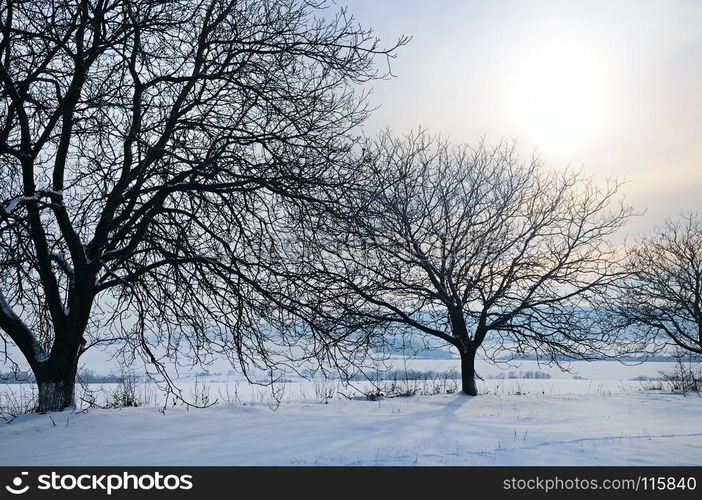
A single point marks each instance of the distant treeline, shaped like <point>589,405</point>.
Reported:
<point>408,375</point>
<point>529,374</point>
<point>85,377</point>
<point>629,359</point>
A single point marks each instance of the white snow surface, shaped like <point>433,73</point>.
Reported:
<point>516,422</point>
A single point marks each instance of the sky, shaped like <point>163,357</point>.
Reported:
<point>613,88</point>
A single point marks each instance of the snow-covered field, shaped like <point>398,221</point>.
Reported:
<point>604,419</point>
<point>610,426</point>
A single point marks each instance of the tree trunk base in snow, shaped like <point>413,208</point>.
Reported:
<point>469,387</point>
<point>468,374</point>
<point>56,395</point>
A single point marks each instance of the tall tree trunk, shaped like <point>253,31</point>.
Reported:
<point>57,393</point>
<point>56,381</point>
<point>468,372</point>
<point>467,348</point>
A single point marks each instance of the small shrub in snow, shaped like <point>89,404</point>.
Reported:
<point>324,389</point>
<point>230,396</point>
<point>686,375</point>
<point>200,394</point>
<point>416,384</point>
<point>122,393</point>
<point>20,399</point>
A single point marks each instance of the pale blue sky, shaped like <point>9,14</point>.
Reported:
<point>614,87</point>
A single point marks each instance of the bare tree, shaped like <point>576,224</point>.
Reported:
<point>663,297</point>
<point>152,152</point>
<point>475,248</point>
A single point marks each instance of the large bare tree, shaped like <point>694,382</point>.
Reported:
<point>475,248</point>
<point>152,152</point>
<point>663,297</point>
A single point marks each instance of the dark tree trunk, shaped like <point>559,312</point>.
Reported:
<point>467,348</point>
<point>468,373</point>
<point>56,394</point>
<point>56,381</point>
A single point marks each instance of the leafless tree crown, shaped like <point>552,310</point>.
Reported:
<point>663,297</point>
<point>468,243</point>
<point>149,152</point>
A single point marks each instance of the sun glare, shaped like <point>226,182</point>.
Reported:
<point>558,97</point>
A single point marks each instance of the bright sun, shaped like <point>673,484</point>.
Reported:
<point>558,96</point>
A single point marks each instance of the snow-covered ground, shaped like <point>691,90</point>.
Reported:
<point>610,420</point>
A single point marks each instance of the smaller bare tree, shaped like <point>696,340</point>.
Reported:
<point>476,248</point>
<point>663,298</point>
